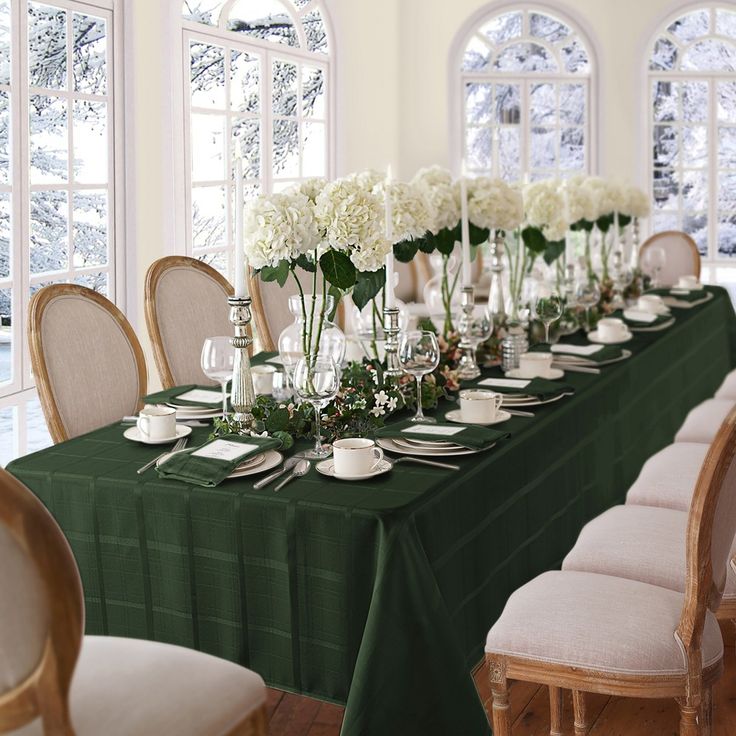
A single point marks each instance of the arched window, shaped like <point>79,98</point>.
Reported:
<point>526,96</point>
<point>692,102</point>
<point>258,87</point>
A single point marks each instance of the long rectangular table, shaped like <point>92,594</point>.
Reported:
<point>375,594</point>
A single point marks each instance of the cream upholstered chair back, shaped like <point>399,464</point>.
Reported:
<point>87,361</point>
<point>41,613</point>
<point>186,302</point>
<point>683,257</point>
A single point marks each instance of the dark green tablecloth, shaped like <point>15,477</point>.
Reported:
<point>378,594</point>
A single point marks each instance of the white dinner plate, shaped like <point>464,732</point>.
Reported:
<point>411,446</point>
<point>327,467</point>
<point>457,416</point>
<point>253,466</point>
<point>673,301</point>
<point>532,401</point>
<point>430,443</point>
<point>133,433</point>
<point>187,414</point>
<point>578,360</point>
<point>656,328</point>
<point>391,446</point>
<point>553,375</point>
<point>195,409</point>
<point>593,337</point>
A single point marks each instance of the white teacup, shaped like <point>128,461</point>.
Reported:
<point>535,364</point>
<point>157,422</point>
<point>611,328</point>
<point>263,378</point>
<point>688,282</point>
<point>356,456</point>
<point>479,406</point>
<point>651,303</point>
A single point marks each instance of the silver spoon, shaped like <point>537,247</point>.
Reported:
<point>301,468</point>
<point>290,464</point>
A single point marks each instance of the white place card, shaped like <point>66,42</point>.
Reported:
<point>434,429</point>
<point>577,349</point>
<point>200,396</point>
<point>504,382</point>
<point>639,315</point>
<point>224,450</point>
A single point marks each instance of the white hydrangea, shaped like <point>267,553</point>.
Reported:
<point>610,196</point>
<point>279,227</point>
<point>544,208</point>
<point>581,202</point>
<point>352,218</point>
<point>311,187</point>
<point>369,178</point>
<point>494,204</point>
<point>638,204</point>
<point>411,215</point>
<point>442,195</point>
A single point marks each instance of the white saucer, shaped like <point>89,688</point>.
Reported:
<point>593,337</point>
<point>187,414</point>
<point>553,375</point>
<point>253,466</point>
<point>457,416</point>
<point>327,467</point>
<point>133,433</point>
<point>388,444</point>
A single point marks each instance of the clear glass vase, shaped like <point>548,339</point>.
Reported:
<point>312,333</point>
<point>368,326</point>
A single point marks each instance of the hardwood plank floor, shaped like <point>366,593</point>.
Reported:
<point>293,715</point>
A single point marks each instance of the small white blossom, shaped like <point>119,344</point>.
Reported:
<point>392,403</point>
<point>378,411</point>
<point>381,397</point>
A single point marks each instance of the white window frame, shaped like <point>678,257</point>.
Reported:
<point>458,78</point>
<point>267,51</point>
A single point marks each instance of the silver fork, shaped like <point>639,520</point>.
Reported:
<point>180,445</point>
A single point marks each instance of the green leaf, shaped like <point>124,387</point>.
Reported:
<point>624,220</point>
<point>406,250</point>
<point>581,225</point>
<point>553,251</point>
<point>338,269</point>
<point>367,286</point>
<point>534,240</point>
<point>277,421</point>
<point>426,244</point>
<point>445,240</point>
<point>287,441</point>
<point>337,295</point>
<point>604,223</point>
<point>278,273</point>
<point>478,235</point>
<point>305,262</point>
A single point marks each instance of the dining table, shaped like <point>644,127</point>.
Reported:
<point>376,594</point>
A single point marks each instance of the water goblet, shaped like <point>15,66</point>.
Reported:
<point>218,358</point>
<point>654,261</point>
<point>547,309</point>
<point>587,295</point>
<point>317,380</point>
<point>419,354</point>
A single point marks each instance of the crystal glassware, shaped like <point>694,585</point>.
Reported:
<point>218,358</point>
<point>587,295</point>
<point>654,261</point>
<point>419,354</point>
<point>547,309</point>
<point>317,381</point>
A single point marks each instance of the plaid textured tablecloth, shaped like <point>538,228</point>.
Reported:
<point>376,594</point>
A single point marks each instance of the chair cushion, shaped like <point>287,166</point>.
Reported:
<point>128,686</point>
<point>668,478</point>
<point>598,622</point>
<point>704,421</point>
<point>638,543</point>
<point>728,387</point>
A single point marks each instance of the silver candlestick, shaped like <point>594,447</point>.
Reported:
<point>391,336</point>
<point>635,244</point>
<point>243,394</point>
<point>496,301</point>
<point>468,367</point>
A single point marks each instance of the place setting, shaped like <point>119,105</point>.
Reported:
<point>649,314</point>
<point>686,293</point>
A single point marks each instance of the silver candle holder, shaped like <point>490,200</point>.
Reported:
<point>243,394</point>
<point>391,337</point>
<point>496,301</point>
<point>468,367</point>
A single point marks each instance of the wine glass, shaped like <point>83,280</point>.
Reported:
<point>587,295</point>
<point>218,357</point>
<point>419,354</point>
<point>317,381</point>
<point>547,309</point>
<point>655,259</point>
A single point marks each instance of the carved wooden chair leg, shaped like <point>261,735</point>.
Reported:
<point>581,716</point>
<point>500,692</point>
<point>555,711</point>
<point>733,621</point>
<point>688,718</point>
<point>706,718</point>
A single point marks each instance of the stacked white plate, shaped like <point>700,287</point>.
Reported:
<point>570,359</point>
<point>252,466</point>
<point>521,400</point>
<point>432,448</point>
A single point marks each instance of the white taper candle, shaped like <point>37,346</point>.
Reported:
<point>390,266</point>
<point>241,282</point>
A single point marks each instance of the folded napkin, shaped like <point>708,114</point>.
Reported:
<point>177,395</point>
<point>584,353</point>
<point>213,462</point>
<point>682,295</point>
<point>540,388</point>
<point>639,318</point>
<point>474,438</point>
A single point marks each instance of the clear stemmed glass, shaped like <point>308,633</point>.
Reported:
<point>218,357</point>
<point>655,259</point>
<point>547,309</point>
<point>317,381</point>
<point>419,354</point>
<point>587,295</point>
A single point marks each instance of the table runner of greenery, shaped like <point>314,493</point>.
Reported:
<point>376,594</point>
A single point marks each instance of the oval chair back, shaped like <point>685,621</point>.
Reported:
<point>683,257</point>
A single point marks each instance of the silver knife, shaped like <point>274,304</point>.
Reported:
<point>576,368</point>
<point>285,468</point>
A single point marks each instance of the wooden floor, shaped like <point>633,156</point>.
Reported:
<point>292,715</point>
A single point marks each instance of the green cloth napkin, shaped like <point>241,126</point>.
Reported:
<point>540,388</point>
<point>693,295</point>
<point>192,466</point>
<point>474,438</point>
<point>607,352</point>
<point>168,396</point>
<point>661,319</point>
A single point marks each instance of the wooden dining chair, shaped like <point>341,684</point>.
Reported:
<point>86,359</point>
<point>58,682</point>
<point>186,302</point>
<point>589,632</point>
<point>703,421</point>
<point>727,389</point>
<point>683,257</point>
